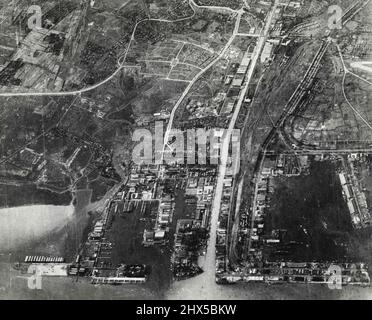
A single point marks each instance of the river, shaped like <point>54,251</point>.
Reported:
<point>21,225</point>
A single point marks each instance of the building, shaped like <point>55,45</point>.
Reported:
<point>266,53</point>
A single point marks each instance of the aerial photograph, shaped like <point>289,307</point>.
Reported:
<point>173,150</point>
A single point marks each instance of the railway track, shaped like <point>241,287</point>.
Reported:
<point>291,106</point>
<point>294,102</point>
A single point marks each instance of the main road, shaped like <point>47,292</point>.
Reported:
<point>211,254</point>
<point>205,285</point>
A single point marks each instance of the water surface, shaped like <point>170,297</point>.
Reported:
<point>20,225</point>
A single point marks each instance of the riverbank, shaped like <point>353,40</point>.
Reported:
<point>197,288</point>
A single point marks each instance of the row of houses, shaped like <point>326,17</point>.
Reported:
<point>185,254</point>
<point>202,190</point>
<point>223,224</point>
<point>141,185</point>
<point>355,199</point>
<point>43,259</point>
<point>158,233</point>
